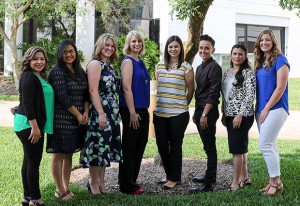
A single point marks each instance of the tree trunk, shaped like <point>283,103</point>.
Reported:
<point>195,29</point>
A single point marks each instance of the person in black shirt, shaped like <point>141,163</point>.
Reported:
<point>208,79</point>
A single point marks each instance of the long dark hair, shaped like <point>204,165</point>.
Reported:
<point>28,56</point>
<point>76,64</point>
<point>167,56</point>
<point>245,65</point>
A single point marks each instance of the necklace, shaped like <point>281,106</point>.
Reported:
<point>173,66</point>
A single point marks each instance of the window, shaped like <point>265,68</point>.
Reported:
<point>247,35</point>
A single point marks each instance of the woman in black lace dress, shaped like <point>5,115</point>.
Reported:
<point>70,86</point>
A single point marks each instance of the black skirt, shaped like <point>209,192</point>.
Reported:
<point>238,138</point>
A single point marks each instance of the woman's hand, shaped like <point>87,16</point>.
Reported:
<point>102,120</point>
<point>263,115</point>
<point>35,135</point>
<point>134,120</point>
<point>85,118</point>
<point>79,118</point>
<point>237,120</point>
<point>203,122</point>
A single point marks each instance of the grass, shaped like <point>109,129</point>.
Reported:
<point>294,93</point>
<point>11,190</point>
<point>9,97</point>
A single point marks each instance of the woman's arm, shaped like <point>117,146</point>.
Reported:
<point>126,73</point>
<point>94,74</point>
<point>60,87</point>
<point>282,78</point>
<point>189,80</point>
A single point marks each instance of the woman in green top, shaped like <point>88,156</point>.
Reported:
<point>33,118</point>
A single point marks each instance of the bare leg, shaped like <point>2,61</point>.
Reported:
<point>56,169</point>
<point>101,181</point>
<point>94,175</point>
<point>244,172</point>
<point>66,171</point>
<point>237,168</point>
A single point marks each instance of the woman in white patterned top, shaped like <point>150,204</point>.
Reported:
<point>238,90</point>
<point>175,88</point>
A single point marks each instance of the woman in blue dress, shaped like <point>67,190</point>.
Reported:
<point>103,142</point>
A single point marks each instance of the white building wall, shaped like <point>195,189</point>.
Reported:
<point>221,20</point>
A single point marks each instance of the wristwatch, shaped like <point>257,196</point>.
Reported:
<point>204,115</point>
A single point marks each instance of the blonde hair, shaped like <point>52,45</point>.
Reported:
<point>99,45</point>
<point>126,49</point>
<point>28,56</point>
<point>260,55</point>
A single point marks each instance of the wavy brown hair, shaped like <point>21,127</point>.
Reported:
<point>28,56</point>
<point>99,45</point>
<point>260,55</point>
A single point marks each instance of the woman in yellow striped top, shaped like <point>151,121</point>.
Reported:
<point>175,88</point>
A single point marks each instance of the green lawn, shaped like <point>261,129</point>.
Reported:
<point>11,190</point>
<point>294,94</point>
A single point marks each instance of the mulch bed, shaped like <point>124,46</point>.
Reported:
<point>151,172</point>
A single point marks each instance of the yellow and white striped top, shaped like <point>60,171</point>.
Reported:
<point>171,90</point>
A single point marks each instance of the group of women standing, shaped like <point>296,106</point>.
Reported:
<point>81,111</point>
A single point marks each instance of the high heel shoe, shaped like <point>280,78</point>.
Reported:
<point>278,190</point>
<point>27,199</point>
<point>266,188</point>
<point>138,191</point>
<point>102,188</point>
<point>234,188</point>
<point>35,203</point>
<point>90,189</point>
<point>247,181</point>
<point>166,187</point>
<point>62,195</point>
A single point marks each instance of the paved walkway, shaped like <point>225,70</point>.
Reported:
<point>290,130</point>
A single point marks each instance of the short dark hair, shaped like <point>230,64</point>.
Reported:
<point>205,37</point>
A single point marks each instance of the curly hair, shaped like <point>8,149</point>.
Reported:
<point>260,55</point>
<point>99,45</point>
<point>28,56</point>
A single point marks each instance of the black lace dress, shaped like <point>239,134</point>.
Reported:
<point>68,135</point>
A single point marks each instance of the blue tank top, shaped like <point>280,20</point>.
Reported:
<point>140,85</point>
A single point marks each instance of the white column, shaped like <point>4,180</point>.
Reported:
<point>85,29</point>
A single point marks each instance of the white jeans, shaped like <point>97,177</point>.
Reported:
<point>268,133</point>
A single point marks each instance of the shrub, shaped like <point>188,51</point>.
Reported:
<point>50,47</point>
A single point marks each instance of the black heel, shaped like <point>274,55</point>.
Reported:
<point>88,186</point>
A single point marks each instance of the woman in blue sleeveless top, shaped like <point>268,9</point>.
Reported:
<point>134,103</point>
